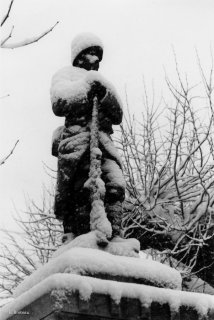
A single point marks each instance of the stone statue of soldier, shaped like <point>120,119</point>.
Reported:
<point>72,92</point>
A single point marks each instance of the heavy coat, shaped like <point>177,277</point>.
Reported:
<point>70,93</point>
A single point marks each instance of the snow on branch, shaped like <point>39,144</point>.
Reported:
<point>169,171</point>
<point>2,161</point>
<point>28,41</point>
<point>7,38</point>
<point>5,96</point>
<point>4,19</point>
<point>39,236</point>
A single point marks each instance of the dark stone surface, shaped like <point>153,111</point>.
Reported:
<point>102,307</point>
<point>129,279</point>
<point>160,311</point>
<point>188,313</point>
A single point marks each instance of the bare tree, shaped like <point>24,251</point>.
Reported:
<point>21,252</point>
<point>170,176</point>
<point>4,42</point>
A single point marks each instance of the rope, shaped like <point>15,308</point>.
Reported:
<point>98,217</point>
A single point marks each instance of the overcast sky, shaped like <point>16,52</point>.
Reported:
<point>138,36</point>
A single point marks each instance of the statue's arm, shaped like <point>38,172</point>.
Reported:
<point>110,102</point>
<point>68,92</point>
<point>112,107</point>
<point>56,139</point>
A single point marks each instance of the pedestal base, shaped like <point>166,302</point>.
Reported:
<point>71,297</point>
<point>85,283</point>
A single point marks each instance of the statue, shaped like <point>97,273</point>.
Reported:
<point>90,184</point>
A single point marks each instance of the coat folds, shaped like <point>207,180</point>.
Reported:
<point>70,96</point>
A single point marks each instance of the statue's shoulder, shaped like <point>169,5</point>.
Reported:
<point>69,73</point>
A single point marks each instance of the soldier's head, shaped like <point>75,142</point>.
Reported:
<point>87,51</point>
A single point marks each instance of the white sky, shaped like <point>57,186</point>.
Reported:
<point>138,36</point>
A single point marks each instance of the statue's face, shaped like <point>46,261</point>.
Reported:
<point>88,60</point>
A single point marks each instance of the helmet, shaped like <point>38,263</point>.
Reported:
<point>84,41</point>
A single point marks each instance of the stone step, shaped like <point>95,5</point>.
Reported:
<point>103,265</point>
<point>69,297</point>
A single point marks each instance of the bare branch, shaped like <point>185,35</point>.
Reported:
<point>5,96</point>
<point>7,38</point>
<point>25,250</point>
<point>8,156</point>
<point>7,14</point>
<point>29,41</point>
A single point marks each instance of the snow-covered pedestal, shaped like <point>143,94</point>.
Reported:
<point>67,296</point>
<point>89,283</point>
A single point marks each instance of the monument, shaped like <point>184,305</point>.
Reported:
<point>90,183</point>
<point>96,273</point>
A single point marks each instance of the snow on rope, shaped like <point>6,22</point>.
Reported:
<point>98,217</point>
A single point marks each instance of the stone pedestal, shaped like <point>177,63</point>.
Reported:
<point>84,283</point>
<point>62,304</point>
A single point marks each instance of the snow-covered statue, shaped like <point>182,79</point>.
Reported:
<point>90,184</point>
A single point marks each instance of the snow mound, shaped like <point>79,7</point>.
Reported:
<point>86,261</point>
<point>72,85</point>
<point>117,290</point>
<point>69,84</point>
<point>117,246</point>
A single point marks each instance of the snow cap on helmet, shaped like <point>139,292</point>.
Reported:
<point>84,41</point>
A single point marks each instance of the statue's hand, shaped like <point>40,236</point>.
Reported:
<point>97,89</point>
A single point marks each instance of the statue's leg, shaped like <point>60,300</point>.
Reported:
<point>72,152</point>
<point>115,193</point>
<point>64,204</point>
<point>81,197</point>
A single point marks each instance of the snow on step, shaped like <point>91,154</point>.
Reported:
<point>116,290</point>
<point>87,261</point>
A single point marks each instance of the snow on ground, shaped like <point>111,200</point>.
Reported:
<point>87,285</point>
<point>86,261</point>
